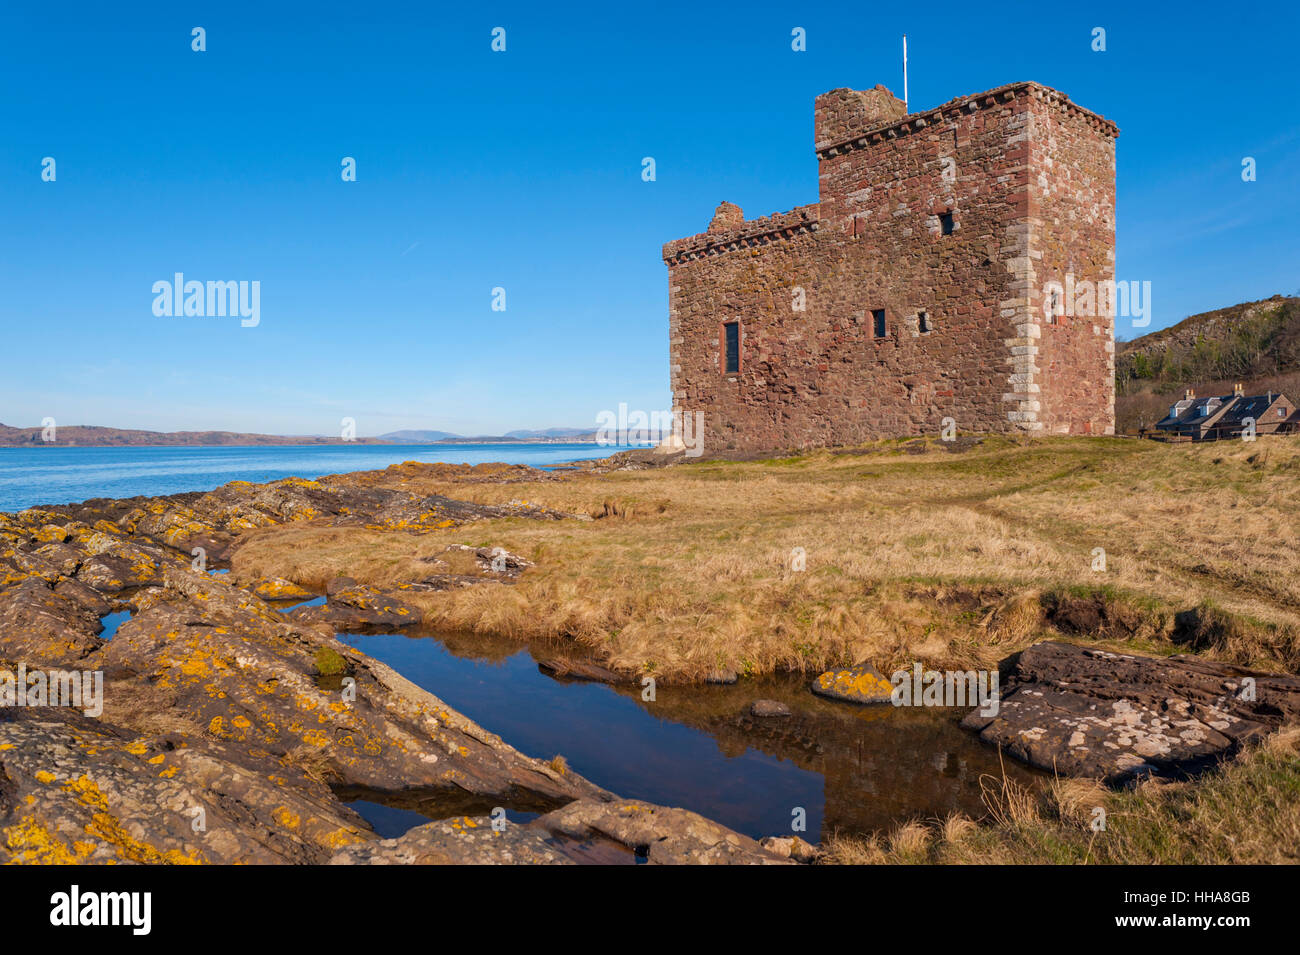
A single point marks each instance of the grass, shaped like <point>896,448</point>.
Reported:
<point>1245,812</point>
<point>913,553</point>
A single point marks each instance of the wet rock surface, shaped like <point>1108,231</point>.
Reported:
<point>1081,711</point>
<point>573,669</point>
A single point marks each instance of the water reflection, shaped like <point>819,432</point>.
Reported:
<point>848,768</point>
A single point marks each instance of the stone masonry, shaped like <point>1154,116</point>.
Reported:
<point>955,221</point>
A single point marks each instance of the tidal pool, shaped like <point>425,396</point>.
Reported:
<point>844,768</point>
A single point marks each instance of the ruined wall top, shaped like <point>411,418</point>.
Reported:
<point>868,132</point>
<point>843,113</point>
<point>726,217</point>
<point>849,120</point>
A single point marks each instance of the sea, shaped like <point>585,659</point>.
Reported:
<point>31,477</point>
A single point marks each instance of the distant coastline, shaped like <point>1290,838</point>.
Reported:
<point>95,436</point>
<point>52,474</point>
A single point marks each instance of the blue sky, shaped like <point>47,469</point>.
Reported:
<point>522,170</point>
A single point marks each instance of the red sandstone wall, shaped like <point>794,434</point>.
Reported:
<point>820,376</point>
<point>1073,227</point>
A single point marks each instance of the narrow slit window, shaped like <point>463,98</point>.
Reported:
<point>945,223</point>
<point>878,322</point>
<point>923,322</point>
<point>731,348</point>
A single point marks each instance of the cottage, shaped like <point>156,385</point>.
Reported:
<point>1228,416</point>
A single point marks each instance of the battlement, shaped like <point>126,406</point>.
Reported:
<point>844,136</point>
<point>733,234</point>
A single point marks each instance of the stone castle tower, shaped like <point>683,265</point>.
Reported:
<point>919,287</point>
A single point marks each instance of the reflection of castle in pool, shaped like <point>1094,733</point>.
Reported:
<point>850,768</point>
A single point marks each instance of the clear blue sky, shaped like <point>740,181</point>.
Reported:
<point>523,170</point>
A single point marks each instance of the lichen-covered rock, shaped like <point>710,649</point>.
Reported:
<point>208,654</point>
<point>1080,711</point>
<point>856,684</point>
<point>230,731</point>
<point>277,588</point>
<point>41,626</point>
<point>74,790</point>
<point>369,606</point>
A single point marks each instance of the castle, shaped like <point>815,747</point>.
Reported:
<point>923,286</point>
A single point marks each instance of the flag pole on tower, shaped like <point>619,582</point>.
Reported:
<point>904,71</point>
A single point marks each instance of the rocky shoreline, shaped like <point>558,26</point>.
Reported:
<point>228,725</point>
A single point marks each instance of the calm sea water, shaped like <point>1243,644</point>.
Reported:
<point>33,476</point>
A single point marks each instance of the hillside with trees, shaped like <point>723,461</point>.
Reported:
<point>1254,343</point>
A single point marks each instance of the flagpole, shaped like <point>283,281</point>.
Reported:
<point>904,72</point>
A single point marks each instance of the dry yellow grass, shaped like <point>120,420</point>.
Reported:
<point>1245,812</point>
<point>941,557</point>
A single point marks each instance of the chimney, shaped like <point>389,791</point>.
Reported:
<point>1237,390</point>
<point>1189,395</point>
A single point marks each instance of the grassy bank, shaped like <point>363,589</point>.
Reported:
<point>913,552</point>
<point>1247,811</point>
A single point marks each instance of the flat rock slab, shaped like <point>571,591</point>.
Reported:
<point>660,835</point>
<point>856,684</point>
<point>1079,711</point>
<point>355,607</point>
<point>461,840</point>
<point>586,831</point>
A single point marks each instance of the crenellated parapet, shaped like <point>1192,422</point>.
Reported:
<point>745,235</point>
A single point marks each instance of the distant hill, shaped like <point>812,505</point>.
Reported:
<point>1254,343</point>
<point>87,435</point>
<point>545,436</point>
<point>417,437</point>
<point>552,433</point>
